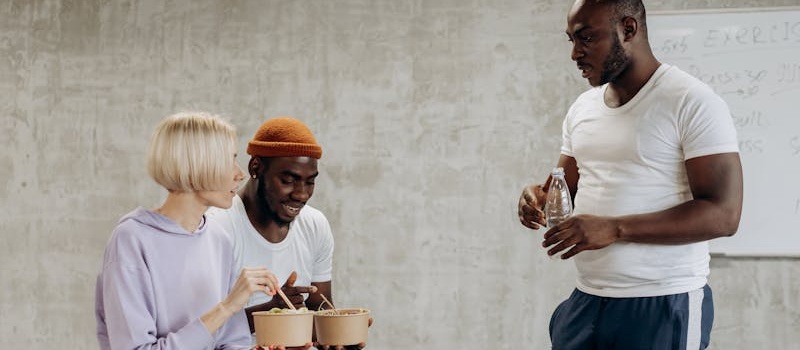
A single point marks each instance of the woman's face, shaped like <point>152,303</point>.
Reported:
<point>223,196</point>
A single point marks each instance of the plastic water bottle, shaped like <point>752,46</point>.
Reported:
<point>558,206</point>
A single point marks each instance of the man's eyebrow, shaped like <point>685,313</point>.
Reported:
<point>580,29</point>
<point>296,175</point>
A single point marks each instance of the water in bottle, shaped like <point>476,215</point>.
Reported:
<point>558,206</point>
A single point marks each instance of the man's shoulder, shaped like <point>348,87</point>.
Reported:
<point>312,223</point>
<point>591,94</point>
<point>676,79</point>
<point>588,100</point>
<point>227,214</point>
<point>231,220</point>
<point>312,227</point>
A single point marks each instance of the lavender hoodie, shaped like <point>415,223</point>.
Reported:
<point>158,279</point>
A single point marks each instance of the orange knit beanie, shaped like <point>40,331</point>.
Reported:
<point>284,137</point>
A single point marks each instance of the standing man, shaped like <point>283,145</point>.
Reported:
<point>271,223</point>
<point>651,157</point>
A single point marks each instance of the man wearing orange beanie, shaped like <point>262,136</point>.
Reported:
<point>271,223</point>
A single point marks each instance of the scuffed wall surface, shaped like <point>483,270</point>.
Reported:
<point>432,115</point>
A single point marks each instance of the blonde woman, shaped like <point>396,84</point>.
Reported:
<point>169,278</point>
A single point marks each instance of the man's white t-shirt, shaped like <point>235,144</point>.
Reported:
<point>631,161</point>
<point>307,248</point>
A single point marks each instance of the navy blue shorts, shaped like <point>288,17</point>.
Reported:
<point>668,322</point>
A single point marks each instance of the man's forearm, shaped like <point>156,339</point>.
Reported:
<point>693,221</point>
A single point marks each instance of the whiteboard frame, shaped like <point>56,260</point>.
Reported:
<point>720,10</point>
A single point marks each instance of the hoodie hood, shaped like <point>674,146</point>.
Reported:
<point>160,222</point>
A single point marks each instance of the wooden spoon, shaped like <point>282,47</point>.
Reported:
<point>286,300</point>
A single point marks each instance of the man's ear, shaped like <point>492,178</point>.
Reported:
<point>630,26</point>
<point>253,167</point>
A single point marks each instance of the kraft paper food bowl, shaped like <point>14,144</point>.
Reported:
<point>283,327</point>
<point>341,326</point>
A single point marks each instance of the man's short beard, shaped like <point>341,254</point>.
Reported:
<point>615,63</point>
<point>269,211</point>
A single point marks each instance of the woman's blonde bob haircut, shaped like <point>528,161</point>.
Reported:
<point>192,151</point>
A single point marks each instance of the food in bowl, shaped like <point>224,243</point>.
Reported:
<point>276,310</point>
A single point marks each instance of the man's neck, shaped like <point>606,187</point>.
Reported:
<point>622,90</point>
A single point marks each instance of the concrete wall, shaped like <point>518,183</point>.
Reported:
<point>432,114</point>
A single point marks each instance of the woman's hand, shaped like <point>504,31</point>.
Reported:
<point>251,280</point>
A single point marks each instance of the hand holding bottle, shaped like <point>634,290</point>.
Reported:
<point>529,208</point>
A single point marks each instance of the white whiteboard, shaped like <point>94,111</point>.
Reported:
<point>752,59</point>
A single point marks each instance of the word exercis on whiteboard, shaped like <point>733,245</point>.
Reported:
<point>725,38</point>
<point>756,35</point>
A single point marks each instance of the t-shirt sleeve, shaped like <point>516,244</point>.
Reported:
<point>566,133</point>
<point>323,254</point>
<point>706,124</point>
